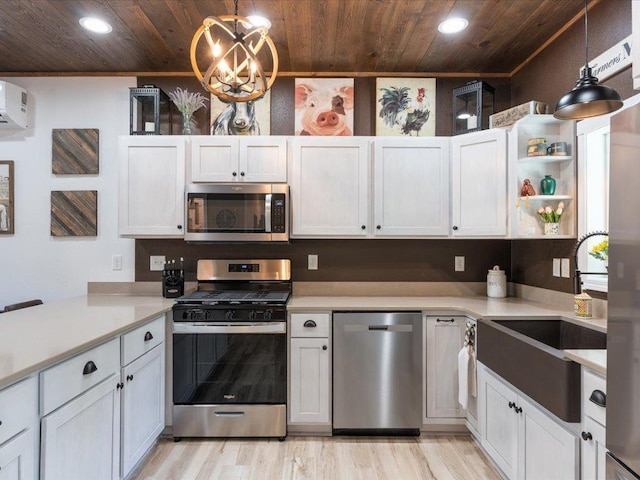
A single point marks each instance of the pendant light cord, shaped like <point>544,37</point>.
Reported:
<point>586,37</point>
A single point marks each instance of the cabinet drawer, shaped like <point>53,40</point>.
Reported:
<point>18,408</point>
<point>317,324</point>
<point>68,379</point>
<point>142,339</point>
<point>590,383</point>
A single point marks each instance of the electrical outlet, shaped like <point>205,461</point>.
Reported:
<point>564,268</point>
<point>312,262</point>
<point>459,264</point>
<point>116,262</point>
<point>156,262</point>
<point>556,267</point>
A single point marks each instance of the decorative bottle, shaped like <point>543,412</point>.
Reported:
<point>548,185</point>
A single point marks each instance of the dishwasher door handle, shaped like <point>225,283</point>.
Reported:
<point>379,328</point>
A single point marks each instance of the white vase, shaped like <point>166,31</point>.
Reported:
<point>551,228</point>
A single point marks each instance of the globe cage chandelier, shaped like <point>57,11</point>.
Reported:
<point>236,73</point>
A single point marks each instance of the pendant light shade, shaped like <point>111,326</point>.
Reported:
<point>588,98</point>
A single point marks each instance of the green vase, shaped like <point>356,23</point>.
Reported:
<point>548,185</point>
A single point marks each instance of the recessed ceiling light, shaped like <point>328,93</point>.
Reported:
<point>258,21</point>
<point>453,25</point>
<point>96,25</point>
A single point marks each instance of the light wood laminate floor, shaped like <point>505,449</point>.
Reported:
<point>318,458</point>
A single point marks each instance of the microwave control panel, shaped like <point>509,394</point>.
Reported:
<point>278,213</point>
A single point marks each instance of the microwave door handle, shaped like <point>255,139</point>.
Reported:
<point>267,213</point>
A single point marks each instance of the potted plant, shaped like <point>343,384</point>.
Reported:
<point>188,103</point>
<point>551,218</point>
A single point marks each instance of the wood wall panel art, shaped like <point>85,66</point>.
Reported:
<point>6,197</point>
<point>74,213</point>
<point>75,151</point>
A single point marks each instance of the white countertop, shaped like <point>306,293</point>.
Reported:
<point>479,306</point>
<point>594,359</point>
<point>36,337</point>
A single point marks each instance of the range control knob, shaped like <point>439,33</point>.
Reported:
<point>252,315</point>
<point>229,314</point>
<point>268,314</point>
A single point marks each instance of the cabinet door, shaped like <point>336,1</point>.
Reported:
<point>546,450</point>
<point>310,380</point>
<point>479,183</point>
<point>17,457</point>
<point>151,195</point>
<point>411,186</point>
<point>263,159</point>
<point>142,406</point>
<point>445,337</point>
<point>329,186</point>
<point>214,159</point>
<point>81,439</point>
<point>499,423</point>
<point>592,451</point>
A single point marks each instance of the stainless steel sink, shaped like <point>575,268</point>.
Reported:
<point>529,355</point>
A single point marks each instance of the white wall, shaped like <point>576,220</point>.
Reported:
<point>33,264</point>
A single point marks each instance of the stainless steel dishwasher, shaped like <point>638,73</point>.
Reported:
<point>377,373</point>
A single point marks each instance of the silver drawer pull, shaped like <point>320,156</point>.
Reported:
<point>229,414</point>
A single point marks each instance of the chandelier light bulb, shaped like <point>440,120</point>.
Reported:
<point>217,49</point>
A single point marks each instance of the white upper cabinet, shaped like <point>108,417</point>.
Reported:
<point>329,182</point>
<point>478,184</point>
<point>151,181</point>
<point>411,186</point>
<point>525,222</point>
<point>238,159</point>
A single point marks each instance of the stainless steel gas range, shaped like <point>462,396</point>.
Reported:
<point>230,351</point>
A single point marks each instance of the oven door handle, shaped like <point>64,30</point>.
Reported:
<point>239,327</point>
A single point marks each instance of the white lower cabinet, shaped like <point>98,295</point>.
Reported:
<point>523,440</point>
<point>142,406</point>
<point>81,439</point>
<point>445,337</point>
<point>143,391</point>
<point>592,446</point>
<point>309,370</point>
<point>17,457</point>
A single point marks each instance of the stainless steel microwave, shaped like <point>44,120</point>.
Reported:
<point>236,212</point>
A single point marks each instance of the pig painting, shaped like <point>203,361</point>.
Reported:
<point>324,106</point>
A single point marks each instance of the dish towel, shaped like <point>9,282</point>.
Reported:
<point>463,376</point>
<point>472,380</point>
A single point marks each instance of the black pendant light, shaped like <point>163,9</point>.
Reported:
<point>587,99</point>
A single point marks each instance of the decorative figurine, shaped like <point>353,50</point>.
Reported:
<point>527,189</point>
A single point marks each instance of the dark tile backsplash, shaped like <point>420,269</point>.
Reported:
<point>527,262</point>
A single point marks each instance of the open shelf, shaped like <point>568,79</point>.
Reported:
<point>545,159</point>
<point>546,198</point>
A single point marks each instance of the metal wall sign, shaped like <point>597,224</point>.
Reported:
<point>612,61</point>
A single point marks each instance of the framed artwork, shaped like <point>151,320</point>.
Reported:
<point>324,106</point>
<point>6,197</point>
<point>75,151</point>
<point>241,118</point>
<point>406,106</point>
<point>74,213</point>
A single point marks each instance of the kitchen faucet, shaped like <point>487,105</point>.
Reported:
<point>577,278</point>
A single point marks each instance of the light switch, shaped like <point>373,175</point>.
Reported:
<point>459,264</point>
<point>116,262</point>
<point>565,269</point>
<point>312,262</point>
<point>556,267</point>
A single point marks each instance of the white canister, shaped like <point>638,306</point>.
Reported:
<point>496,283</point>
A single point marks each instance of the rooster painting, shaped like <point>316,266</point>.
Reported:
<point>404,110</point>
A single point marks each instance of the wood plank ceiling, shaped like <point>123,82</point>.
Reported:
<point>153,36</point>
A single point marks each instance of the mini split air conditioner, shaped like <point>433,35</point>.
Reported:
<point>13,106</point>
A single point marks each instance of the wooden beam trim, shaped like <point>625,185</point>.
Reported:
<point>280,74</point>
